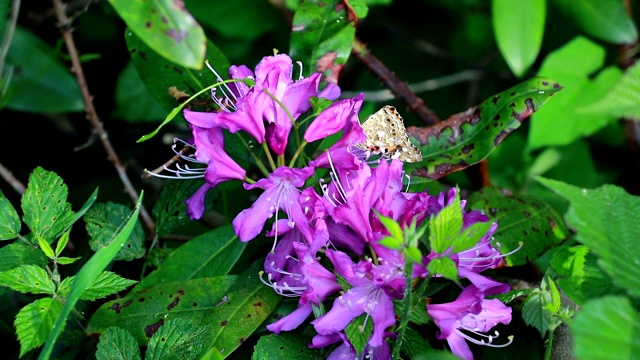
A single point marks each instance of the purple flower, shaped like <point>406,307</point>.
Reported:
<point>334,118</point>
<point>373,289</point>
<point>281,193</point>
<point>469,314</point>
<point>346,351</point>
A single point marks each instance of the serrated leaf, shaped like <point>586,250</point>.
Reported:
<point>519,41</point>
<point>87,275</point>
<point>322,36</point>
<point>43,84</point>
<point>623,100</point>
<point>9,220</point>
<point>414,344</point>
<point>521,218</point>
<point>106,283</point>
<point>533,311</point>
<point>167,27</point>
<point>606,221</point>
<point>177,339</point>
<point>247,304</point>
<point>17,254</point>
<point>286,345</point>
<point>46,248</point>
<point>512,295</point>
<point>469,137</point>
<point>117,344</point>
<point>170,211</point>
<point>35,321</point>
<point>606,328</point>
<point>28,279</point>
<point>358,332</point>
<point>445,267</point>
<point>104,220</point>
<point>604,19</point>
<point>445,226</point>
<point>470,236</point>
<point>211,254</point>
<point>142,313</point>
<point>44,204</point>
<point>394,229</point>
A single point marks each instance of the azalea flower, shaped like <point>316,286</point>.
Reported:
<point>468,316</point>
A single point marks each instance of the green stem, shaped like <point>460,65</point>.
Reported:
<point>269,157</point>
<point>258,161</point>
<point>408,302</point>
<point>298,152</point>
<point>248,180</point>
<point>547,352</point>
<point>280,160</point>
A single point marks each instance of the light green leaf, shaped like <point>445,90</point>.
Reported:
<point>106,284</point>
<point>62,242</point>
<point>28,279</point>
<point>117,344</point>
<point>46,248</point>
<point>397,235</point>
<point>519,41</point>
<point>63,260</point>
<point>534,313</point>
<point>604,19</point>
<point>606,221</point>
<point>87,275</point>
<point>43,84</point>
<point>177,339</point>
<point>167,27</point>
<point>471,236</point>
<point>44,204</point>
<point>445,267</point>
<point>35,321</point>
<point>445,226</point>
<point>103,220</point>
<point>9,221</point>
<point>623,100</point>
<point>607,328</point>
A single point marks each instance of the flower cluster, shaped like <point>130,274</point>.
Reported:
<point>327,237</point>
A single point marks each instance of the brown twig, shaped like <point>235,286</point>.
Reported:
<point>92,115</point>
<point>11,180</point>
<point>398,87</point>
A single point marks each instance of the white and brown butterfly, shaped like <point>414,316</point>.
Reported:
<point>387,136</point>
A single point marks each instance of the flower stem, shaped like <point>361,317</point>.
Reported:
<point>259,162</point>
<point>269,157</point>
<point>407,306</point>
<point>298,152</point>
<point>249,180</point>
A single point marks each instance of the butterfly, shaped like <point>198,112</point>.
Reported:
<point>387,136</point>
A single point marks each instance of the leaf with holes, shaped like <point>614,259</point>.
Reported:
<point>104,220</point>
<point>521,218</point>
<point>177,339</point>
<point>286,345</point>
<point>35,321</point>
<point>117,344</point>
<point>9,221</point>
<point>469,137</point>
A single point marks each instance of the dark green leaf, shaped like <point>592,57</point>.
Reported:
<point>286,345</point>
<point>17,254</point>
<point>42,84</point>
<point>167,28</point>
<point>44,204</point>
<point>35,321</point>
<point>117,344</point>
<point>605,220</point>
<point>519,41</point>
<point>170,210</point>
<point>414,344</point>
<point>521,218</point>
<point>9,221</point>
<point>133,101</point>
<point>104,220</point>
<point>358,332</point>
<point>177,339</point>
<point>469,137</point>
<point>604,19</point>
<point>143,313</point>
<point>211,254</point>
<point>607,328</point>
<point>533,311</point>
<point>322,36</point>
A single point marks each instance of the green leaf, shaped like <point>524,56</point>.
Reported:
<point>166,27</point>
<point>574,66</point>
<point>46,248</point>
<point>519,41</point>
<point>521,218</point>
<point>247,304</point>
<point>67,260</point>
<point>44,204</point>
<point>358,332</point>
<point>9,220</point>
<point>17,254</point>
<point>87,276</point>
<point>143,313</point>
<point>396,240</point>
<point>470,236</point>
<point>177,339</point>
<point>414,344</point>
<point>534,313</point>
<point>134,103</point>
<point>605,220</point>
<point>469,137</point>
<point>43,84</point>
<point>286,345</point>
<point>211,254</point>
<point>445,226</point>
<point>62,242</point>
<point>443,266</point>
<point>160,75</point>
<point>103,220</point>
<point>28,279</point>
<point>607,328</point>
<point>170,210</point>
<point>580,278</point>
<point>623,100</point>
<point>34,323</point>
<point>117,344</point>
<point>322,36</point>
<point>604,19</point>
<point>106,283</point>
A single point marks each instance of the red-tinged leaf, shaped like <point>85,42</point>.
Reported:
<point>469,137</point>
<point>321,37</point>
